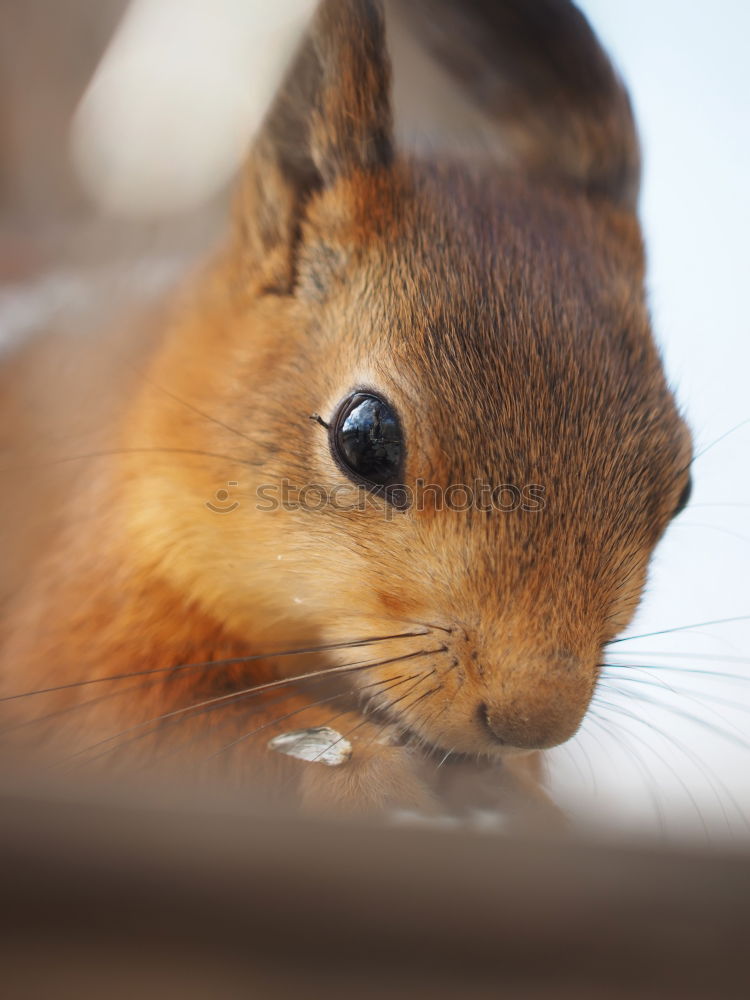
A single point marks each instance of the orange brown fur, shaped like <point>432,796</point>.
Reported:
<point>502,313</point>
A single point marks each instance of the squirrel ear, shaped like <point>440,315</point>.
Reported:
<point>331,118</point>
<point>541,80</point>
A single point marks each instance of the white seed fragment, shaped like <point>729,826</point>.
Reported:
<point>320,745</point>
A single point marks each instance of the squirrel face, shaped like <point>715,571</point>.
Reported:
<point>491,325</point>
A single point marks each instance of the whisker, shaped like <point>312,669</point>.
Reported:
<point>593,717</point>
<point>231,698</point>
<point>438,714</point>
<point>80,706</point>
<point>713,779</point>
<point>424,695</point>
<point>333,718</point>
<point>193,408</point>
<point>390,687</point>
<point>671,654</point>
<point>368,705</point>
<point>186,743</point>
<point>645,770</point>
<point>712,527</point>
<point>114,452</point>
<point>342,736</point>
<point>431,625</point>
<point>432,719</point>
<point>207,664</point>
<point>732,430</point>
<point>697,696</point>
<point>697,719</point>
<point>398,677</point>
<point>567,748</point>
<point>383,709</point>
<point>254,732</point>
<point>275,721</point>
<point>589,765</point>
<point>744,506</point>
<point>619,710</point>
<point>688,695</point>
<point>687,671</point>
<point>77,707</point>
<point>397,701</point>
<point>679,628</point>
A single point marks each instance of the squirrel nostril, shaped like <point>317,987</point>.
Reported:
<point>483,714</point>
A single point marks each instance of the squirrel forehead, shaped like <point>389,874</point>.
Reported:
<point>501,313</point>
<point>436,241</point>
<point>479,279</point>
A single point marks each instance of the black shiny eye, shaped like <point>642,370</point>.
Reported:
<point>367,441</point>
<point>684,497</point>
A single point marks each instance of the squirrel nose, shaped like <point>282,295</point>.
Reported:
<point>520,731</point>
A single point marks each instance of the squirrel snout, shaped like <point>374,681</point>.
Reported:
<point>538,709</point>
<point>523,732</point>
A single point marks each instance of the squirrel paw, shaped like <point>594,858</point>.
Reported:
<point>373,778</point>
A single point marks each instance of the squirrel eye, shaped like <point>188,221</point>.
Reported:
<point>367,441</point>
<point>684,497</point>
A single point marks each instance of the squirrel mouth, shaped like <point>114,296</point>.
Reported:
<point>399,734</point>
<point>396,732</point>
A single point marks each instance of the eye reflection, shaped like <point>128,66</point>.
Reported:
<point>368,441</point>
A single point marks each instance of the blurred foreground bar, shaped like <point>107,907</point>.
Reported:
<point>107,901</point>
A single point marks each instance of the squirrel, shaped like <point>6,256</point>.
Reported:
<point>394,463</point>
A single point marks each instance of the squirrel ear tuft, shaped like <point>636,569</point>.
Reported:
<point>536,72</point>
<point>331,118</point>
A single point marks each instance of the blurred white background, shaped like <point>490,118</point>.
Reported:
<point>687,68</point>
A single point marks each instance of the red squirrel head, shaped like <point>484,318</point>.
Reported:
<point>497,451</point>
